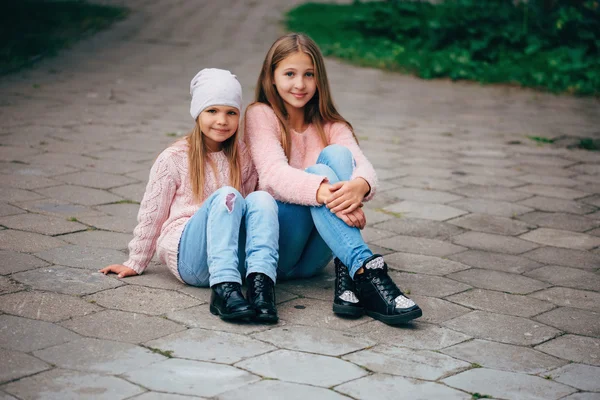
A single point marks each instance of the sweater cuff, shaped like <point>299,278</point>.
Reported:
<point>136,267</point>
<point>309,196</point>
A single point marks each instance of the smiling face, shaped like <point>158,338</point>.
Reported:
<point>294,79</point>
<point>218,123</point>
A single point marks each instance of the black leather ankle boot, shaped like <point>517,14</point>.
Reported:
<point>345,301</point>
<point>381,297</point>
<point>261,296</point>
<point>227,302</point>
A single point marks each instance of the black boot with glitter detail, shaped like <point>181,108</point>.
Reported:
<point>345,302</point>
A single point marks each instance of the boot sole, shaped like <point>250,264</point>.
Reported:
<point>395,319</point>
<point>233,316</point>
<point>348,311</point>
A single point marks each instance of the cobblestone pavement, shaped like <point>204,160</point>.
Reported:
<point>496,237</point>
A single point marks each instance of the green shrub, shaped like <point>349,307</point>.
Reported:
<point>550,44</point>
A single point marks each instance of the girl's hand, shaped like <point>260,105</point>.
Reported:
<point>347,195</point>
<point>119,269</point>
<point>354,218</point>
<point>323,192</point>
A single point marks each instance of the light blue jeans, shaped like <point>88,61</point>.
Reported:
<point>309,235</point>
<point>229,236</point>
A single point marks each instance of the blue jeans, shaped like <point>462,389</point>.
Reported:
<point>227,236</point>
<point>309,235</point>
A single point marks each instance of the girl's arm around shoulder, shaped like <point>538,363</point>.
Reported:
<point>154,209</point>
<point>286,183</point>
<point>340,133</point>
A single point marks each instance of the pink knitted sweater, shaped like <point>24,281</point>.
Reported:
<point>286,179</point>
<point>168,203</point>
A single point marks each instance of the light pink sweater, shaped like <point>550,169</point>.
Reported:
<point>168,203</point>
<point>286,180</point>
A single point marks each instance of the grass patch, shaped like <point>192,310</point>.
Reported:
<point>540,139</point>
<point>126,201</point>
<point>32,29</point>
<point>72,219</point>
<point>171,134</point>
<point>476,396</point>
<point>549,45</point>
<point>384,211</point>
<point>166,353</point>
<point>589,144</point>
<point>475,365</point>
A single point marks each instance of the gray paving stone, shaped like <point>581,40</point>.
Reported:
<point>97,180</point>
<point>57,208</point>
<point>422,195</point>
<point>488,180</point>
<point>190,377</point>
<point>568,222</point>
<point>424,182</point>
<point>498,193</point>
<point>503,303</point>
<point>66,280</point>
<point>574,348</point>
<point>314,340</point>
<point>418,364</point>
<point>202,294</point>
<point>566,257</point>
<point>16,195</point>
<point>491,224</point>
<point>495,261</point>
<point>557,205</point>
<point>79,195</point>
<point>427,285</point>
<point>102,239</point>
<point>420,228</point>
<point>140,299</point>
<point>293,366</point>
<point>211,346</point>
<point>12,261</point>
<point>157,276</point>
<point>122,326</point>
<point>491,207</point>
<point>508,385</point>
<point>423,264</point>
<point>7,209</point>
<point>320,287</point>
<point>502,328</point>
<point>570,298</point>
<point>290,391</point>
<point>497,280</point>
<point>435,212</point>
<point>317,313</point>
<point>384,387</point>
<point>591,169</point>
<point>46,306</point>
<point>548,180</point>
<point>410,244</point>
<point>553,191</point>
<point>7,285</point>
<point>417,335</point>
<point>62,384</point>
<point>560,238</point>
<point>125,210</point>
<point>504,357</point>
<point>27,241</point>
<point>593,200</point>
<point>372,234</point>
<point>200,317</point>
<point>103,356</point>
<point>164,396</point>
<point>16,365</point>
<point>92,258</point>
<point>570,277</point>
<point>583,396</point>
<point>582,377</point>
<point>573,320</point>
<point>437,310</point>
<point>26,335</point>
<point>495,243</point>
<point>595,232</point>
<point>374,217</point>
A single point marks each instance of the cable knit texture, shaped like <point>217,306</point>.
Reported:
<point>168,203</point>
<point>286,180</point>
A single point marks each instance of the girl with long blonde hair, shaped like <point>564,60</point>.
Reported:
<point>201,213</point>
<point>308,158</point>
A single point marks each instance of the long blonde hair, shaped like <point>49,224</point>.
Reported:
<point>320,108</point>
<point>198,159</point>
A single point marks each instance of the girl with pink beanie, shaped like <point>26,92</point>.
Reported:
<point>308,158</point>
<point>201,214</point>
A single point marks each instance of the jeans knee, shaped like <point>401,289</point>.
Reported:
<point>324,170</point>
<point>230,197</point>
<point>261,200</point>
<point>335,152</point>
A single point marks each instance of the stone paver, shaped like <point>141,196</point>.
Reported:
<point>505,357</point>
<point>502,328</point>
<point>494,235</point>
<point>574,348</point>
<point>385,387</point>
<point>203,345</point>
<point>293,366</point>
<point>508,385</point>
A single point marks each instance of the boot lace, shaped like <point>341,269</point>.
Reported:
<point>386,286</point>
